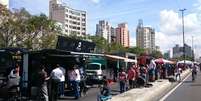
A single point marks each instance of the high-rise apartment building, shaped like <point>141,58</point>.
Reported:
<point>72,21</point>
<point>113,35</point>
<point>103,29</point>
<point>145,37</point>
<point>122,34</point>
<point>5,3</point>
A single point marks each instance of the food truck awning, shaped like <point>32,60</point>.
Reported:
<point>121,58</point>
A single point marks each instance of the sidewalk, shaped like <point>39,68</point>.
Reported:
<point>147,94</point>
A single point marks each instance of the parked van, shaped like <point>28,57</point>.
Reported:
<point>94,72</point>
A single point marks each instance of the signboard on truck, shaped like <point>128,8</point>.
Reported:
<point>75,45</point>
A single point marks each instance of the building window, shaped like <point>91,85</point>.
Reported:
<point>83,14</point>
<point>83,24</point>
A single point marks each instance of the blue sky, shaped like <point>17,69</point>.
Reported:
<point>115,11</point>
<point>154,13</point>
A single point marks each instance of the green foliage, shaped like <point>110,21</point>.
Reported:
<point>21,29</point>
<point>101,44</point>
<point>136,50</point>
<point>116,47</point>
<point>156,54</point>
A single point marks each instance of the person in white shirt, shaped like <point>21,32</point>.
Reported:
<point>178,73</point>
<point>56,77</point>
<point>62,81</point>
<point>151,70</point>
<point>74,77</point>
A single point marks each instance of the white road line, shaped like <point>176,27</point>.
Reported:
<point>168,94</point>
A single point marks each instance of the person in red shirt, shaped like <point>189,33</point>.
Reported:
<point>137,74</point>
<point>122,80</point>
<point>131,76</point>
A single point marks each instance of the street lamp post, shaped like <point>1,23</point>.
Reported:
<point>182,12</point>
<point>192,50</point>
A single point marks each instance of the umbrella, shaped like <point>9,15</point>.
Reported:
<point>162,61</point>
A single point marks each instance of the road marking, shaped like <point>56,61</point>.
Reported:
<point>170,92</point>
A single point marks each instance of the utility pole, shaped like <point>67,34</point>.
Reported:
<point>182,12</point>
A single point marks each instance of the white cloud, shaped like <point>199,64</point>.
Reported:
<point>171,30</point>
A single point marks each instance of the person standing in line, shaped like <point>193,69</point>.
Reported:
<point>122,80</point>
<point>83,87</point>
<point>74,77</point>
<point>137,74</point>
<point>42,84</point>
<point>151,70</point>
<point>194,72</point>
<point>56,76</point>
<point>178,73</point>
<point>143,74</point>
<point>62,81</point>
<point>131,77</point>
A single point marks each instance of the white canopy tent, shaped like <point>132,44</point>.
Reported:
<point>186,62</point>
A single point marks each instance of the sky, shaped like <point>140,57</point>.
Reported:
<point>163,15</point>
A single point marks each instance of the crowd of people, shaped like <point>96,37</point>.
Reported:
<point>140,75</point>
<point>51,86</point>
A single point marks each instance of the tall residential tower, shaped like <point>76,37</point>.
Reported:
<point>145,37</point>
<point>103,29</point>
<point>122,34</point>
<point>72,21</point>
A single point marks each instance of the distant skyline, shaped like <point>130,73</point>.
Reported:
<point>162,15</point>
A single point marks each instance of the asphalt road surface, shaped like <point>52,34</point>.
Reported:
<point>186,90</point>
<point>91,94</point>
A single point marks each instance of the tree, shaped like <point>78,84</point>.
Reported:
<point>156,54</point>
<point>136,50</point>
<point>9,28</point>
<point>20,29</point>
<point>101,44</point>
<point>41,32</point>
<point>116,47</point>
